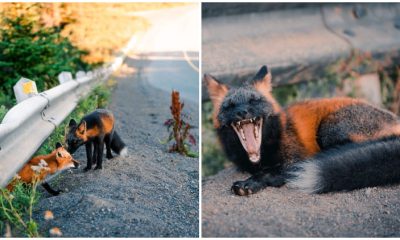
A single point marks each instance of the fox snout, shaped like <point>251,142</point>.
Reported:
<point>76,163</point>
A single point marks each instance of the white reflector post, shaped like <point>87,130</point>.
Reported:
<point>24,89</point>
<point>64,77</point>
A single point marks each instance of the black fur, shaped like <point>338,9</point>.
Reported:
<point>354,119</point>
<point>117,144</point>
<point>352,166</point>
<point>50,190</point>
<point>244,103</point>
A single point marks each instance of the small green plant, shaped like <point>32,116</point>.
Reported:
<point>16,207</point>
<point>3,111</point>
<point>179,129</point>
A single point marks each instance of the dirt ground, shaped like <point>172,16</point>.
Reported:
<point>284,212</point>
<point>150,193</point>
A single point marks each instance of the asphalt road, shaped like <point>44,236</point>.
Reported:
<point>150,193</point>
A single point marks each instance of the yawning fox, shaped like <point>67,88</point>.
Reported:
<point>318,145</point>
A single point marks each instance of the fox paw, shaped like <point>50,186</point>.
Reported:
<point>56,192</point>
<point>87,169</point>
<point>109,156</point>
<point>98,167</point>
<point>244,188</point>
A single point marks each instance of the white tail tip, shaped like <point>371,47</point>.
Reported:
<point>124,152</point>
<point>306,178</point>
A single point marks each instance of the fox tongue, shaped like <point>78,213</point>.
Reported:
<point>252,147</point>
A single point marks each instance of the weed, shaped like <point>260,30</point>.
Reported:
<point>179,128</point>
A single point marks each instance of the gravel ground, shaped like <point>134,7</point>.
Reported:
<point>150,193</point>
<point>284,212</point>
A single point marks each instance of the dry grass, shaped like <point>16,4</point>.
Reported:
<point>103,28</point>
<point>100,28</point>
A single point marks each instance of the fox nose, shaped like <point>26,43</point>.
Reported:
<point>76,163</point>
<point>242,114</point>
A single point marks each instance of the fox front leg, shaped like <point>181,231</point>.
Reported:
<point>89,156</point>
<point>50,189</point>
<point>258,181</point>
<point>99,150</point>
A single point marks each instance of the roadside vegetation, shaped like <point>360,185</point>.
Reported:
<point>338,79</point>
<point>16,207</point>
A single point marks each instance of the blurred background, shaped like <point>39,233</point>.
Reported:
<point>313,50</point>
<point>40,40</point>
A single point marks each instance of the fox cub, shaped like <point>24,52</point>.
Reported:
<point>45,167</point>
<point>318,146</point>
<point>95,130</point>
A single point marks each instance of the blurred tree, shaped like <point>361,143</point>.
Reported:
<point>31,46</point>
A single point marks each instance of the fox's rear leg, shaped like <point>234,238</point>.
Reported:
<point>260,180</point>
<point>107,141</point>
<point>50,189</point>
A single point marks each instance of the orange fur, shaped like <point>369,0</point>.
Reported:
<point>217,93</point>
<point>107,127</point>
<point>57,160</point>
<point>264,87</point>
<point>306,117</point>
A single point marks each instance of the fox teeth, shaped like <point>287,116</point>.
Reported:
<point>242,133</point>
<point>256,131</point>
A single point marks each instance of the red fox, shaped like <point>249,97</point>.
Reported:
<point>45,167</point>
<point>318,146</point>
<point>95,130</point>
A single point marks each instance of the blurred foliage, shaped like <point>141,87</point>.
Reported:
<point>29,48</point>
<point>329,84</point>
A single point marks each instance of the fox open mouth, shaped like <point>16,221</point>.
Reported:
<point>249,133</point>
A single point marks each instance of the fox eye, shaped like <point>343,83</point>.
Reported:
<point>59,154</point>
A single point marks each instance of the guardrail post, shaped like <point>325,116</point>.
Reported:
<point>24,88</point>
<point>64,77</point>
<point>80,74</point>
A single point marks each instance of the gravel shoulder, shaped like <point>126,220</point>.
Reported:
<point>150,193</point>
<point>284,212</point>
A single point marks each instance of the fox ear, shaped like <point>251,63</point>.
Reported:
<point>58,145</point>
<point>72,123</point>
<point>217,92</point>
<point>262,80</point>
<point>82,127</point>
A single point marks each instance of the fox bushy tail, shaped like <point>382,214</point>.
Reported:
<point>118,146</point>
<point>348,167</point>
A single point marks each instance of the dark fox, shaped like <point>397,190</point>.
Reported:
<point>95,130</point>
<point>317,146</point>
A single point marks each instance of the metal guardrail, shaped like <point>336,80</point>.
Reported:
<point>29,123</point>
